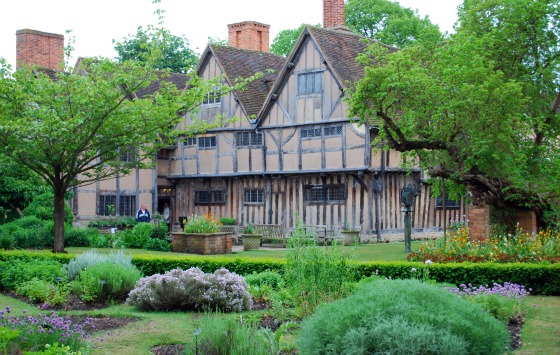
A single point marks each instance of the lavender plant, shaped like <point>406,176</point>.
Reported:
<point>502,301</point>
<point>31,333</point>
<point>191,289</point>
<point>92,257</point>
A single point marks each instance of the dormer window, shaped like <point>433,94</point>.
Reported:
<point>310,83</point>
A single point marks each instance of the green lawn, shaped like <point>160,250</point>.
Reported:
<point>362,252</point>
<point>541,331</point>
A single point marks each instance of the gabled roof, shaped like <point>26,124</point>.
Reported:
<point>243,63</point>
<point>179,80</point>
<point>339,48</point>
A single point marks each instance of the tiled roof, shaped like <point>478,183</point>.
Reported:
<point>180,81</point>
<point>242,63</point>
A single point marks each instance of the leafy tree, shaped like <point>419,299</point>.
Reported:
<point>388,22</point>
<point>476,109</point>
<point>285,40</point>
<point>176,54</point>
<point>18,188</point>
<point>42,207</point>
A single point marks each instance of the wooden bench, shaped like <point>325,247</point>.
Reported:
<point>322,234</point>
<point>271,232</point>
<point>235,232</point>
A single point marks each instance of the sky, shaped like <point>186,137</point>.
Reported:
<point>95,24</point>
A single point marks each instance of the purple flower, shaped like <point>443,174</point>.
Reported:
<point>8,309</point>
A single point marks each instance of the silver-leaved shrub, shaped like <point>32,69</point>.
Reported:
<point>191,289</point>
<point>92,257</point>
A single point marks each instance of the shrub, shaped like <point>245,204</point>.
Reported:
<point>226,335</point>
<point>31,333</point>
<point>30,233</point>
<point>160,230</point>
<point>106,281</point>
<point>228,221</point>
<point>270,278</point>
<point>15,272</point>
<point>91,258</point>
<point>78,237</point>
<point>316,274</point>
<point>7,241</point>
<point>42,207</point>
<point>158,245</point>
<point>402,317</point>
<point>202,224</point>
<point>191,289</point>
<point>44,291</point>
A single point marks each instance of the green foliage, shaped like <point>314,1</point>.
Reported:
<point>228,221</point>
<point>45,292</point>
<point>27,233</point>
<point>42,207</point>
<point>141,234</point>
<point>78,237</point>
<point>15,272</point>
<point>202,224</point>
<point>402,317</point>
<point>160,230</point>
<point>92,257</point>
<point>192,289</point>
<point>7,241</point>
<point>8,340</point>
<point>285,40</point>
<point>158,245</point>
<point>249,229</point>
<point>106,281</point>
<point>19,186</point>
<point>389,22</point>
<point>218,334</point>
<point>175,52</point>
<point>268,277</point>
<point>315,274</point>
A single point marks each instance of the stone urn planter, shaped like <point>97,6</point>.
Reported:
<point>350,236</point>
<point>204,244</point>
<point>251,241</point>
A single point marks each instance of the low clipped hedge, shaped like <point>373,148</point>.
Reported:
<point>541,278</point>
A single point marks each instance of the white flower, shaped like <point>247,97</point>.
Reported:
<point>413,269</point>
<point>428,262</point>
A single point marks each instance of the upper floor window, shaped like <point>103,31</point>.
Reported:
<point>213,97</point>
<point>335,193</point>
<point>189,141</point>
<point>310,83</point>
<point>205,197</point>
<point>318,132</point>
<point>206,142</point>
<point>251,196</point>
<point>248,139</point>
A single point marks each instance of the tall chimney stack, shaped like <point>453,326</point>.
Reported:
<point>249,35</point>
<point>333,13</point>
<point>39,48</point>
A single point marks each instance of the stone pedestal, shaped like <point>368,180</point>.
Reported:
<point>204,244</point>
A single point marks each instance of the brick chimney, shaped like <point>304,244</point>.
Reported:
<point>333,13</point>
<point>39,48</point>
<point>249,35</point>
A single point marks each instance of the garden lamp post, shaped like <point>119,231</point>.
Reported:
<point>407,200</point>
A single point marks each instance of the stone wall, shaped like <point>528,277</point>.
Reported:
<point>204,244</point>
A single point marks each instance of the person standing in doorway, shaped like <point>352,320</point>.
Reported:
<point>167,214</point>
<point>143,215</point>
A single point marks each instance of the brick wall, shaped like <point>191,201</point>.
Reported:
<point>333,13</point>
<point>216,243</point>
<point>39,48</point>
<point>479,222</point>
<point>249,35</point>
<point>527,221</point>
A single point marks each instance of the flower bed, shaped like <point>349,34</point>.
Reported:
<point>521,247</point>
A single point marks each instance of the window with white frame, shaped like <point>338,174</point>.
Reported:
<point>189,141</point>
<point>310,83</point>
<point>214,97</point>
<point>253,196</point>
<point>248,139</point>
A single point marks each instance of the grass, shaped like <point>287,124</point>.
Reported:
<point>362,252</point>
<point>541,331</point>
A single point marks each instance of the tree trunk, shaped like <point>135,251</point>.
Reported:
<point>58,222</point>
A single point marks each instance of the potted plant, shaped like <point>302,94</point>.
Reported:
<point>202,235</point>
<point>251,240</point>
<point>350,235</point>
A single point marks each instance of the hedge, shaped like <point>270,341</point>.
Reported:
<point>541,278</point>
